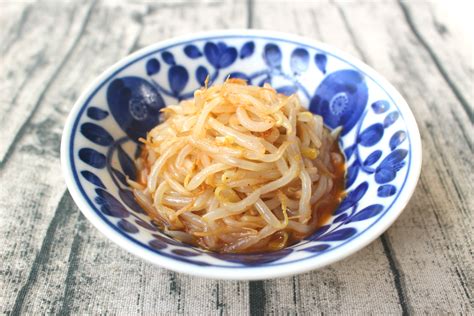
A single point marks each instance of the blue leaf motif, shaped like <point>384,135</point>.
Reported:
<point>192,51</point>
<point>317,248</point>
<point>357,194</point>
<point>96,113</point>
<point>211,51</point>
<point>371,135</point>
<point>92,178</point>
<point>120,176</point>
<point>321,61</point>
<point>340,234</point>
<point>340,218</point>
<point>168,58</point>
<point>344,206</point>
<point>319,232</point>
<point>185,253</point>
<point>92,157</point>
<point>380,106</point>
<point>145,225</point>
<point>390,119</point>
<point>384,175</point>
<point>388,168</point>
<point>129,199</point>
<point>299,60</point>
<point>287,90</point>
<point>127,164</point>
<point>127,226</point>
<point>368,212</point>
<point>167,240</point>
<point>373,158</point>
<point>397,139</point>
<point>110,205</point>
<point>152,66</point>
<point>394,158</point>
<point>272,55</point>
<point>386,190</point>
<point>178,78</point>
<point>247,50</point>
<point>157,244</point>
<point>227,57</point>
<point>201,75</point>
<point>351,174</point>
<point>349,151</point>
<point>96,134</point>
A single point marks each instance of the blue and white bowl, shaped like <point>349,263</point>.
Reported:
<point>379,137</point>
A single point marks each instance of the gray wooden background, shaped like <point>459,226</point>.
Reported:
<point>53,261</point>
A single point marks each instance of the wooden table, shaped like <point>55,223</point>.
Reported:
<point>54,261</point>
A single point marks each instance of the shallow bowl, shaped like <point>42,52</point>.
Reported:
<point>379,138</point>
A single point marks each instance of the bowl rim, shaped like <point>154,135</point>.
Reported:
<point>248,272</point>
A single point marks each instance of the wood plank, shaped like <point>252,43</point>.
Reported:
<point>39,232</point>
<point>363,283</point>
<point>443,259</point>
<point>62,264</point>
<point>432,239</point>
<point>155,289</point>
<point>31,63</point>
<point>54,261</point>
<point>445,31</point>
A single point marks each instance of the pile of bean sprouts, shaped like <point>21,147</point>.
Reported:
<point>236,168</point>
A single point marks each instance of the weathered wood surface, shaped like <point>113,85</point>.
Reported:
<point>53,261</point>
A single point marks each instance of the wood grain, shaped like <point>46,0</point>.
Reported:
<point>54,261</point>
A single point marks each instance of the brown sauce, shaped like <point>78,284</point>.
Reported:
<point>322,212</point>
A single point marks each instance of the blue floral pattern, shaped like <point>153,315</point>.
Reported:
<point>373,137</point>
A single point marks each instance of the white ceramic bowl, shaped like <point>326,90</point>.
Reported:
<point>380,139</point>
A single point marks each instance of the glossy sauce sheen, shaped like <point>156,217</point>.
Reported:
<point>322,212</point>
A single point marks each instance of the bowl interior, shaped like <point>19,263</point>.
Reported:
<point>100,141</point>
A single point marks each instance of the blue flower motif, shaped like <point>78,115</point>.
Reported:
<point>135,105</point>
<point>220,55</point>
<point>340,99</point>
